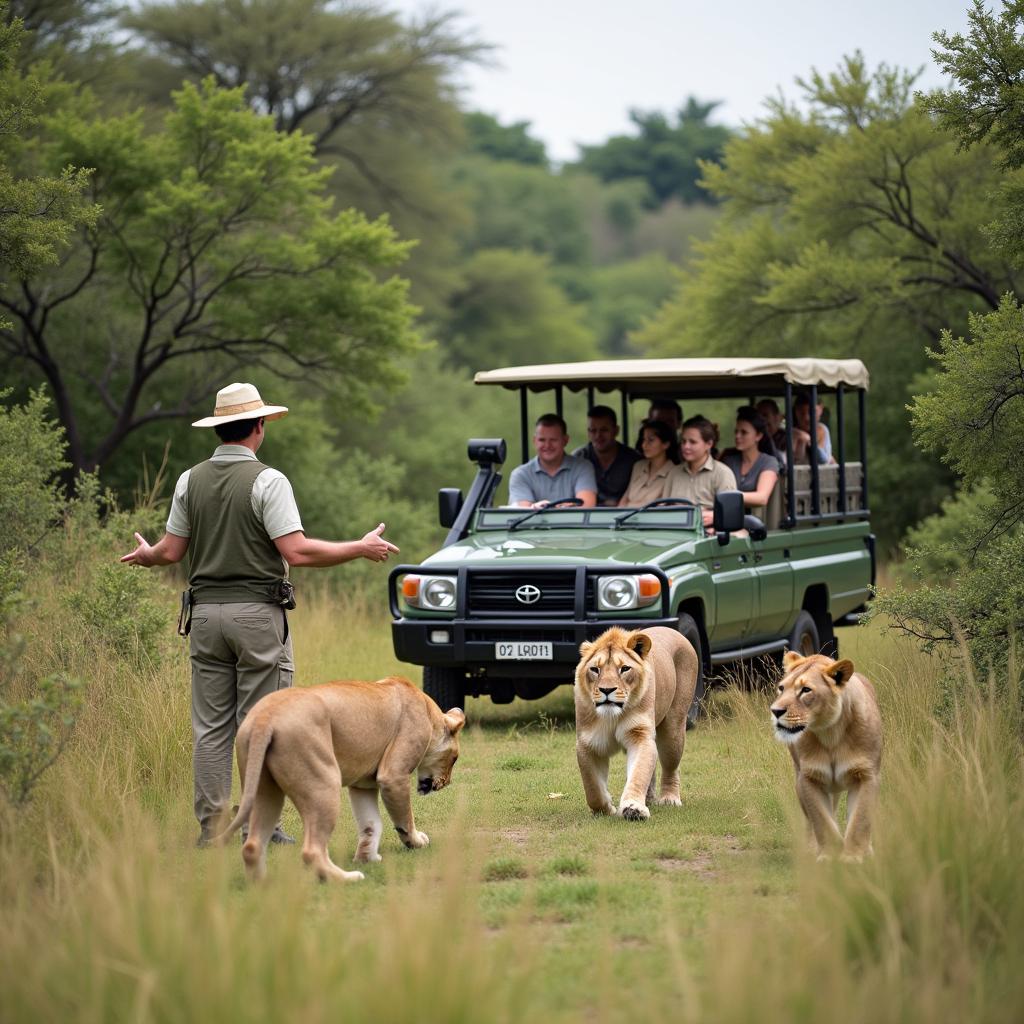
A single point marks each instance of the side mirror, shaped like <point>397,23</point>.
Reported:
<point>754,526</point>
<point>449,504</point>
<point>728,514</point>
<point>487,451</point>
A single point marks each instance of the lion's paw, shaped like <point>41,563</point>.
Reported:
<point>367,858</point>
<point>418,840</point>
<point>634,812</point>
<point>669,801</point>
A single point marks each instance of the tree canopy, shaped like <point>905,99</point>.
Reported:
<point>38,213</point>
<point>487,136</point>
<point>344,74</point>
<point>216,252</point>
<point>664,153</point>
<point>850,227</point>
<point>966,560</point>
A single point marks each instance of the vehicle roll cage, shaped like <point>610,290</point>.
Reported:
<point>773,381</point>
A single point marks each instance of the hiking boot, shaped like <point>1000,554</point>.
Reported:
<point>280,836</point>
<point>277,836</point>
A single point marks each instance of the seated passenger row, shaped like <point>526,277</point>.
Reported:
<point>606,472</point>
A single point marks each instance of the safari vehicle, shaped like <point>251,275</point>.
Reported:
<point>503,607</point>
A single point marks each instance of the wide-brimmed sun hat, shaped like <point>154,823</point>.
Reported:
<point>240,402</point>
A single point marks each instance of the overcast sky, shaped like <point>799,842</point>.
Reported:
<point>574,68</point>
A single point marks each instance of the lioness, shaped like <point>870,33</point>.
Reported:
<point>632,693</point>
<point>828,716</point>
<point>306,743</point>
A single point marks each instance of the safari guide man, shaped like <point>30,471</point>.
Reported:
<point>238,521</point>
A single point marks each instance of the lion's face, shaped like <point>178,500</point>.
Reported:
<point>435,770</point>
<point>612,670</point>
<point>810,694</point>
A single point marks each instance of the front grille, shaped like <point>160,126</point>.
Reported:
<point>499,634</point>
<point>494,593</point>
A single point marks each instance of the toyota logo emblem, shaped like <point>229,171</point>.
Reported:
<point>528,594</point>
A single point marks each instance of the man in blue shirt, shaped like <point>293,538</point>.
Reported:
<point>552,476</point>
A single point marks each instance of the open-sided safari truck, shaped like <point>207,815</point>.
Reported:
<point>503,607</point>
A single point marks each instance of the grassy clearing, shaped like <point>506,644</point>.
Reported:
<point>524,904</point>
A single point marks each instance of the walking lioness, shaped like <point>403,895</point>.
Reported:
<point>306,743</point>
<point>632,693</point>
<point>828,716</point>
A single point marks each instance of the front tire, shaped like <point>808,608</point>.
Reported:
<point>804,638</point>
<point>688,628</point>
<point>446,686</point>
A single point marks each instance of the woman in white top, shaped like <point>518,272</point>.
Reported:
<point>658,446</point>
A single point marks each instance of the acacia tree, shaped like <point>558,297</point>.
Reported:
<point>216,251</point>
<point>972,416</point>
<point>850,227</point>
<point>346,75</point>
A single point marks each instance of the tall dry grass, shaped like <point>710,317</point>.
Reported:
<point>110,914</point>
<point>931,928</point>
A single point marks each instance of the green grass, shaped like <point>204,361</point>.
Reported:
<point>524,906</point>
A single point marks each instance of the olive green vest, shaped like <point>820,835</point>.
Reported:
<point>231,558</point>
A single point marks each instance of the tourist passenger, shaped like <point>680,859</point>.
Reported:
<point>613,462</point>
<point>668,411</point>
<point>552,476</point>
<point>801,431</point>
<point>657,442</point>
<point>768,410</point>
<point>700,477</point>
<point>753,460</point>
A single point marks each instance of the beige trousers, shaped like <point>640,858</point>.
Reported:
<point>239,653</point>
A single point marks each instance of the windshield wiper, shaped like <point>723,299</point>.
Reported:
<point>658,502</point>
<point>547,508</point>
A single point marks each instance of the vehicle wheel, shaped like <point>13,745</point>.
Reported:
<point>804,638</point>
<point>445,685</point>
<point>689,628</point>
<point>829,640</point>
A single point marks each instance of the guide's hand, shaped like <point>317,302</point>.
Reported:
<point>376,547</point>
<point>142,555</point>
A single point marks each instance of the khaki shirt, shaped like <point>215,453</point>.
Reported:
<point>645,486</point>
<point>702,486</point>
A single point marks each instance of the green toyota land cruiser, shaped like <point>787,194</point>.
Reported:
<point>503,607</point>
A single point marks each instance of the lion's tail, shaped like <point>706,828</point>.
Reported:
<point>259,741</point>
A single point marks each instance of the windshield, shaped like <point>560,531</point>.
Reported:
<point>666,518</point>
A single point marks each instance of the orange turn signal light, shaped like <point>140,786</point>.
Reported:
<point>649,586</point>
<point>410,587</point>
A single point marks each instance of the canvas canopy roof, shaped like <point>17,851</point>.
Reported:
<point>679,377</point>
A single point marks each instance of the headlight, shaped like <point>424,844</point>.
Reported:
<point>434,593</point>
<point>620,593</point>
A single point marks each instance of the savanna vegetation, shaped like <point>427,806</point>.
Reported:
<point>524,906</point>
<point>184,206</point>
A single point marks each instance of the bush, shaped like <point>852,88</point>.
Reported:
<point>33,733</point>
<point>120,609</point>
<point>36,720</point>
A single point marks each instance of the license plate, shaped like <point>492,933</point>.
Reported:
<point>522,651</point>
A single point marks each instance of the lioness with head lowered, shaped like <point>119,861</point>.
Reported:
<point>632,693</point>
<point>307,743</point>
<point>828,716</point>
